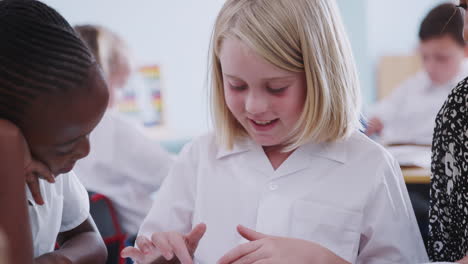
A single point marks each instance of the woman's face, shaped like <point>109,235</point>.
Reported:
<point>57,125</point>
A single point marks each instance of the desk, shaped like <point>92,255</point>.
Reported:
<point>416,175</point>
<point>418,184</point>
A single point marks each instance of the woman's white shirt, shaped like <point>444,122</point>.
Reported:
<point>348,196</point>
<point>66,206</point>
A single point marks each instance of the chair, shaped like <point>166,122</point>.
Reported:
<point>106,220</point>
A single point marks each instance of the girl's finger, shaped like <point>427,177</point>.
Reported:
<point>33,184</point>
<point>134,253</point>
<point>239,252</point>
<point>179,247</point>
<point>144,244</point>
<point>250,234</point>
<point>194,237</point>
<point>41,170</point>
<point>161,242</point>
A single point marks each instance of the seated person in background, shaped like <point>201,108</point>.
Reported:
<point>407,115</point>
<point>52,95</point>
<point>124,163</point>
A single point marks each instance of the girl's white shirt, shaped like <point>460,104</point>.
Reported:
<point>66,206</point>
<point>348,196</point>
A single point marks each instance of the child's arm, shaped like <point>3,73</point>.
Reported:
<point>81,245</point>
<point>14,220</point>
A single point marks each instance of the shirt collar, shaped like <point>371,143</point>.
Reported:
<point>240,145</point>
<point>335,151</point>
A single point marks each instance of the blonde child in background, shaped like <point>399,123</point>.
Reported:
<point>286,177</point>
<point>124,164</point>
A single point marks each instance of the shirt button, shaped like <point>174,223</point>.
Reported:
<point>273,186</point>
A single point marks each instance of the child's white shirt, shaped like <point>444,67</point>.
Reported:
<point>348,196</point>
<point>66,206</point>
<point>124,165</point>
<point>408,114</point>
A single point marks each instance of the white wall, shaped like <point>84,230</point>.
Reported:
<point>354,14</point>
<point>172,33</point>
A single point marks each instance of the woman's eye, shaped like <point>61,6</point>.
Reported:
<point>462,5</point>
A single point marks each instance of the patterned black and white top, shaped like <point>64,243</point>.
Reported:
<point>448,214</point>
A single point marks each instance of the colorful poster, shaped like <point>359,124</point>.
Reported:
<point>141,98</point>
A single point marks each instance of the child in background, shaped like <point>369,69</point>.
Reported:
<point>124,164</point>
<point>286,177</point>
<point>52,95</point>
<point>407,115</point>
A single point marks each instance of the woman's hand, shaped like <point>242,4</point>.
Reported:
<point>166,244</point>
<point>277,250</point>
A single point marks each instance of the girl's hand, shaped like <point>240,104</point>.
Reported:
<point>51,258</point>
<point>167,244</point>
<point>277,250</point>
<point>33,170</point>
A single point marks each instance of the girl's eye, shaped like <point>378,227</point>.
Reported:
<point>464,6</point>
<point>238,87</point>
<point>64,152</point>
<point>277,91</point>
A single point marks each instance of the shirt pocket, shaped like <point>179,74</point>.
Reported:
<point>334,228</point>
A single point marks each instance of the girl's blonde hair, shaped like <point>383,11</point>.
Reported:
<point>298,36</point>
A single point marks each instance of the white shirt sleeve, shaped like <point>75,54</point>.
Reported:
<point>388,108</point>
<point>75,203</point>
<point>390,233</point>
<point>143,158</point>
<point>173,207</point>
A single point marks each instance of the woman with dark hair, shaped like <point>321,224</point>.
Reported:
<point>448,215</point>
